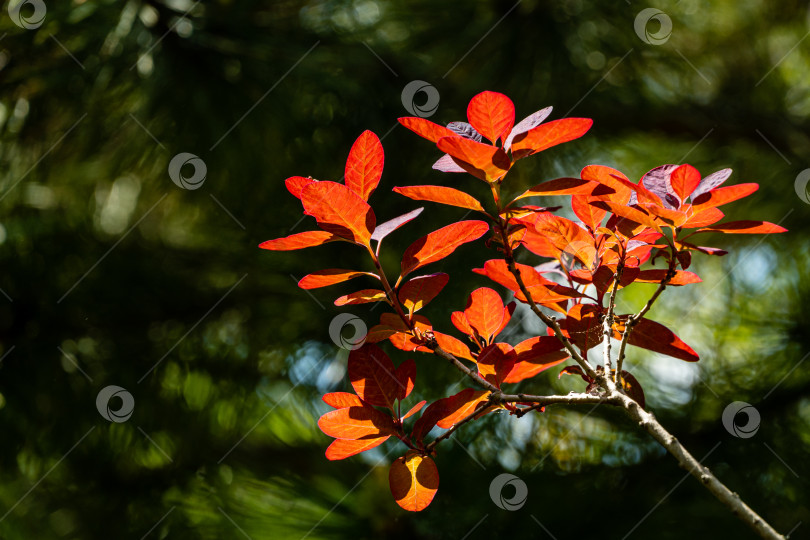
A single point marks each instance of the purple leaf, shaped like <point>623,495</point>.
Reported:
<point>391,225</point>
<point>446,164</point>
<point>465,130</point>
<point>531,121</point>
<point>711,182</point>
<point>657,181</point>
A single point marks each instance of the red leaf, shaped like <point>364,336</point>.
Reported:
<point>535,355</point>
<point>414,481</point>
<point>550,134</point>
<point>573,370</point>
<point>339,400</point>
<point>656,276</point>
<point>495,362</point>
<point>425,128</point>
<point>343,448</point>
<point>485,312</point>
<point>324,278</point>
<point>489,163</point>
<point>415,409</point>
<point>406,378</point>
<point>365,296</point>
<point>543,291</point>
<point>491,114</point>
<point>684,180</point>
<point>633,388</point>
<point>373,376</point>
<point>416,293</point>
<point>723,195</point>
<point>442,195</point>
<point>441,243</point>
<point>589,214</point>
<point>658,338</point>
<point>559,186</point>
<point>458,407</point>
<point>568,237</point>
<point>616,188</point>
<point>339,210</point>
<point>299,241</point>
<point>364,166</point>
<point>295,184</point>
<point>745,227</point>
<point>356,423</point>
<point>629,213</point>
<point>384,229</point>
<point>709,216</point>
<point>453,346</point>
<point>582,326</point>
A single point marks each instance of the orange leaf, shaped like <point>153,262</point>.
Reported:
<point>488,163</point>
<point>415,409</point>
<point>535,355</point>
<point>616,188</point>
<point>297,183</point>
<point>549,134</point>
<point>589,214</point>
<point>365,296</point>
<point>669,216</point>
<point>458,407</point>
<point>425,128</point>
<point>442,195</point>
<point>492,114</point>
<point>406,377</point>
<point>568,237</point>
<point>365,165</point>
<point>324,278</point>
<point>373,376</point>
<point>452,345</point>
<point>339,210</point>
<point>339,400</point>
<point>343,448</point>
<point>416,293</point>
<point>299,241</point>
<point>485,312</point>
<point>582,326</point>
<point>495,362</point>
<point>559,186</point>
<point>441,243</point>
<point>656,337</point>
<point>745,227</point>
<point>414,481</point>
<point>723,195</point>
<point>657,276</point>
<point>684,180</point>
<point>356,423</point>
<point>709,216</point>
<point>629,213</point>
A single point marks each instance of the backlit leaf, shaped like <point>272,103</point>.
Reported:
<point>745,227</point>
<point>559,186</point>
<point>373,376</point>
<point>416,293</point>
<point>441,243</point>
<point>442,195</point>
<point>339,400</point>
<point>460,406</point>
<point>365,296</point>
<point>568,237</point>
<point>684,180</point>
<point>425,128</point>
<point>414,481</point>
<point>703,218</point>
<point>356,423</point>
<point>488,163</point>
<point>656,337</point>
<point>324,278</point>
<point>656,276</point>
<point>492,114</point>
<point>406,378</point>
<point>339,210</point>
<point>495,362</point>
<point>413,410</point>
<point>550,134</point>
<point>723,195</point>
<point>299,241</point>
<point>364,166</point>
<point>485,312</point>
<point>295,184</point>
<point>534,356</point>
<point>343,448</point>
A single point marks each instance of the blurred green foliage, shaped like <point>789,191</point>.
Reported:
<point>112,275</point>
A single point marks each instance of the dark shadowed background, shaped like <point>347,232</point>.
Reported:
<point>113,275</point>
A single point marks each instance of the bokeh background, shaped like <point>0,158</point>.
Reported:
<point>113,275</point>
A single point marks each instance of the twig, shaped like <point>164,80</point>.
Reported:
<point>446,435</point>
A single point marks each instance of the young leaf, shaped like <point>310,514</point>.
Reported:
<point>364,166</point>
<point>406,377</point>
<point>488,163</point>
<point>745,227</point>
<point>425,128</point>
<point>295,184</point>
<point>373,376</point>
<point>711,182</point>
<point>343,448</point>
<point>299,241</point>
<point>531,121</point>
<point>657,180</point>
<point>550,134</point>
<point>446,163</point>
<point>684,180</point>
<point>339,210</point>
<point>414,481</point>
<point>492,114</point>
<point>416,293</point>
<point>384,229</point>
<point>365,296</point>
<point>465,130</point>
<point>460,406</point>
<point>441,243</point>
<point>324,278</point>
<point>356,423</point>
<point>442,195</point>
